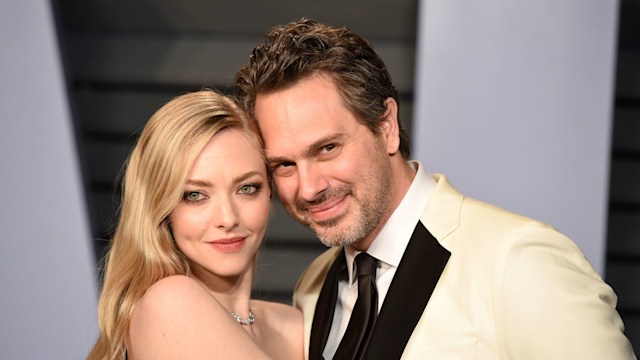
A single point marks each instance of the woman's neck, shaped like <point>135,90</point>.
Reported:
<point>233,293</point>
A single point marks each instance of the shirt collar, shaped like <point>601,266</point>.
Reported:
<point>389,245</point>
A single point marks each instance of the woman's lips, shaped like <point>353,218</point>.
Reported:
<point>228,245</point>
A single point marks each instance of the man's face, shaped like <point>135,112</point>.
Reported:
<point>331,172</point>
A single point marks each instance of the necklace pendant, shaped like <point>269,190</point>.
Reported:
<point>248,321</point>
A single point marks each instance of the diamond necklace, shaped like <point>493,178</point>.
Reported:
<point>241,321</point>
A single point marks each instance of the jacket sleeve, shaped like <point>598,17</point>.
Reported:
<point>549,302</point>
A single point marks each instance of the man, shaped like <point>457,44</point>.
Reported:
<point>446,277</point>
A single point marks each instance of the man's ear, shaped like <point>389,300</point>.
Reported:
<point>389,128</point>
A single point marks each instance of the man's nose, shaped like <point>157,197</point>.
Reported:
<point>312,181</point>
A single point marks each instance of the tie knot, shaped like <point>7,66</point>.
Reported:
<point>366,264</point>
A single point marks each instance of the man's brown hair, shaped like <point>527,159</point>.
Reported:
<point>295,51</point>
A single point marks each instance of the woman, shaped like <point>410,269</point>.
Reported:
<point>195,207</point>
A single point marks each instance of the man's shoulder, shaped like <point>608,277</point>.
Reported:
<point>313,276</point>
<point>321,264</point>
<point>328,256</point>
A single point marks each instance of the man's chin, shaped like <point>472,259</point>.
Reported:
<point>332,237</point>
<point>329,242</point>
<point>327,231</point>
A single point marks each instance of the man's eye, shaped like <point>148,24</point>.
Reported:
<point>282,165</point>
<point>284,168</point>
<point>329,147</point>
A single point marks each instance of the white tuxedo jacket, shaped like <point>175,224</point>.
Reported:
<point>477,282</point>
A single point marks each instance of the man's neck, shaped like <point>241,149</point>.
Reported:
<point>403,175</point>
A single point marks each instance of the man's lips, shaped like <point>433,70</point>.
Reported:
<point>327,209</point>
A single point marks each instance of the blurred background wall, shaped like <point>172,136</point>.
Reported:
<point>48,282</point>
<point>124,59</point>
<point>517,102</point>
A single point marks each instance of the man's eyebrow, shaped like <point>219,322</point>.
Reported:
<point>309,150</point>
<point>277,160</point>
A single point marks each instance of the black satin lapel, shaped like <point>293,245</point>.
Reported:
<point>416,277</point>
<point>323,315</point>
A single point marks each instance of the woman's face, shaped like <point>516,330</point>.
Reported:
<point>222,216</point>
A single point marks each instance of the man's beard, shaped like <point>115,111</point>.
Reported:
<point>366,213</point>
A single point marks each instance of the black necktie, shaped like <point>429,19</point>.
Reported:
<point>355,339</point>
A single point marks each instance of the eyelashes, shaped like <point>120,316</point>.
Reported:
<point>197,196</point>
<point>250,189</point>
<point>192,196</point>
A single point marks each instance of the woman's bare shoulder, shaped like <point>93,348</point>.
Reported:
<point>279,312</point>
<point>172,288</point>
<point>167,302</point>
<point>178,318</point>
<point>170,295</point>
<point>287,322</point>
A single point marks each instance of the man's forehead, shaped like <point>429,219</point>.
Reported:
<point>296,118</point>
<point>297,142</point>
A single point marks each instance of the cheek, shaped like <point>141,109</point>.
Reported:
<point>255,215</point>
<point>346,169</point>
<point>185,225</point>
<point>364,160</point>
<point>286,188</point>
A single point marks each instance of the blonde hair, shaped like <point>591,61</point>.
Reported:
<point>142,250</point>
